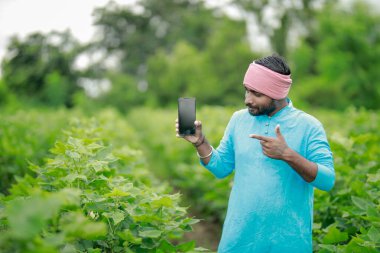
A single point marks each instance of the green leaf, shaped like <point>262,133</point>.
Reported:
<point>94,250</point>
<point>334,236</point>
<point>186,246</point>
<point>361,203</point>
<point>72,154</point>
<point>167,247</point>
<point>95,146</point>
<point>59,148</point>
<point>76,225</point>
<point>128,236</point>
<point>99,182</point>
<point>190,221</point>
<point>99,165</point>
<point>27,217</point>
<point>330,248</point>
<point>148,218</point>
<point>69,196</point>
<point>373,178</point>
<point>117,216</point>
<point>68,248</point>
<point>374,234</point>
<point>150,233</point>
<point>317,225</point>
<point>72,177</point>
<point>117,193</point>
<point>163,201</point>
<point>373,214</point>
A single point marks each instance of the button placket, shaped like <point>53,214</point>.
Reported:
<point>267,125</point>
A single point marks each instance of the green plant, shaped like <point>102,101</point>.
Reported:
<point>348,219</point>
<point>113,212</point>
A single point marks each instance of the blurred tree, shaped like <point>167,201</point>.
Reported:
<point>3,93</point>
<point>346,59</point>
<point>174,48</point>
<point>40,67</point>
<point>173,75</point>
<point>214,75</point>
<point>135,32</point>
<point>228,55</point>
<point>279,20</point>
<point>124,94</point>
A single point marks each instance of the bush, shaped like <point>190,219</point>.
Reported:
<point>85,199</point>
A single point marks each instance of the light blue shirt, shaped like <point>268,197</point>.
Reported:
<point>270,208</point>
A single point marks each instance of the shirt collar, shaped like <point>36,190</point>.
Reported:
<point>283,110</point>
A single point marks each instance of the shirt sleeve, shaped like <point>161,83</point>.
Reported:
<point>222,161</point>
<point>319,152</point>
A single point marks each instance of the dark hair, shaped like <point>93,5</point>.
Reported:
<point>275,63</point>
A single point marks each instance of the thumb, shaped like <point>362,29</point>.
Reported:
<point>198,128</point>
<point>278,132</point>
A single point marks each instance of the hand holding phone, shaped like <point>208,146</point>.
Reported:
<point>186,116</point>
<point>185,123</point>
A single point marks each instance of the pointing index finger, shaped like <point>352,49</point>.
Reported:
<point>259,137</point>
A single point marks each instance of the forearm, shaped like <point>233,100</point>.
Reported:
<point>305,168</point>
<point>204,149</point>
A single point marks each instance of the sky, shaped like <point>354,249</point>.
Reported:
<point>22,17</point>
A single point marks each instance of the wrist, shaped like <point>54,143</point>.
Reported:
<point>206,156</point>
<point>200,141</point>
<point>287,154</point>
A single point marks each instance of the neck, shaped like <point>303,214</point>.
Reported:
<point>279,105</point>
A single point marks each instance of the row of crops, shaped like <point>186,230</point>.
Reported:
<point>347,219</point>
<point>90,191</point>
<point>113,183</point>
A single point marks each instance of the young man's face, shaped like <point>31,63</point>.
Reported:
<point>258,103</point>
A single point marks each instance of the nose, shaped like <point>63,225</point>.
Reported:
<point>248,98</point>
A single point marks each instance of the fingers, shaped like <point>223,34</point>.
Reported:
<point>177,130</point>
<point>198,128</point>
<point>259,137</point>
<point>255,136</point>
<point>278,132</point>
<point>264,138</point>
<point>177,134</point>
<point>266,152</point>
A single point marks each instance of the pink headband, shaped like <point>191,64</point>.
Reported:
<point>266,81</point>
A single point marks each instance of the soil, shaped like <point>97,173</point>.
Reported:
<point>206,234</point>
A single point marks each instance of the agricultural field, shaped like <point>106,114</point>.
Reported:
<point>130,185</point>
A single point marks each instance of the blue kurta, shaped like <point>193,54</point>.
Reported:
<point>270,207</point>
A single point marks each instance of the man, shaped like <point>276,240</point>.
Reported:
<point>279,155</point>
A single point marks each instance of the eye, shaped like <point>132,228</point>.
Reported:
<point>255,93</point>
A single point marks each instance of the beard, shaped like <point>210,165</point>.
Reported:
<point>263,109</point>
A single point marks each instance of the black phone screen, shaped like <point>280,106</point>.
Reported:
<point>186,116</point>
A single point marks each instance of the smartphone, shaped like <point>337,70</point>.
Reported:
<point>186,116</point>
